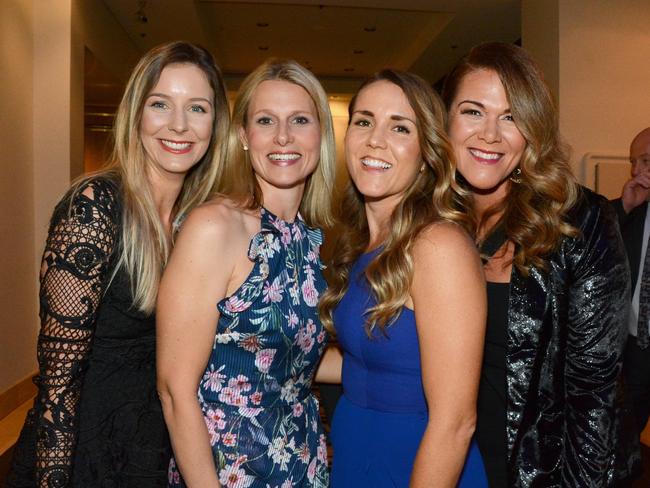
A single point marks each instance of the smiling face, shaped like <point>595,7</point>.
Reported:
<point>382,147</point>
<point>282,134</point>
<point>486,141</point>
<point>177,118</point>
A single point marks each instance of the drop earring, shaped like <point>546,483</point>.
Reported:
<point>515,176</point>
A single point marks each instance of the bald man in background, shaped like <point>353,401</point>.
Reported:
<point>634,219</point>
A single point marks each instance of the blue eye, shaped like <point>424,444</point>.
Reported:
<point>158,104</point>
<point>264,121</point>
<point>198,108</point>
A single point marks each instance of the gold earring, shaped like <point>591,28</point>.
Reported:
<point>515,176</point>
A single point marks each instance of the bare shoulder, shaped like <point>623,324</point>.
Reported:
<point>220,217</point>
<point>443,240</point>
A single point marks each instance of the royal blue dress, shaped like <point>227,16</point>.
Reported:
<point>381,417</point>
<point>262,418</point>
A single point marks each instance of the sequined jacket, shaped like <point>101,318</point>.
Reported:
<point>566,330</point>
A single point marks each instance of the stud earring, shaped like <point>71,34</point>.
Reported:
<point>245,147</point>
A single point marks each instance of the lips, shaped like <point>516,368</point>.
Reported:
<point>487,157</point>
<point>374,163</point>
<point>176,147</point>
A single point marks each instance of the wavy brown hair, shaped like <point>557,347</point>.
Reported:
<point>434,197</point>
<point>534,214</point>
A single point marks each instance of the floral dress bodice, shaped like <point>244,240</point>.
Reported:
<point>262,418</point>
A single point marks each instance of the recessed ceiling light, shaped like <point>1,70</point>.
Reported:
<point>263,48</point>
<point>262,24</point>
<point>348,70</point>
<point>358,51</point>
<point>370,28</point>
<point>454,46</point>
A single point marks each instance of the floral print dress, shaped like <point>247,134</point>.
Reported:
<point>262,418</point>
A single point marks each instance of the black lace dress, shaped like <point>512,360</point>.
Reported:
<point>96,421</point>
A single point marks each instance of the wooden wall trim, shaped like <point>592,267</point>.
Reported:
<point>15,396</point>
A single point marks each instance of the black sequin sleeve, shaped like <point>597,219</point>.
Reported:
<point>75,271</point>
<point>597,326</point>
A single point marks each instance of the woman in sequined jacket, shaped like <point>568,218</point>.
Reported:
<point>558,293</point>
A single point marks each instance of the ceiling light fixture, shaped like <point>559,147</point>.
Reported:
<point>370,28</point>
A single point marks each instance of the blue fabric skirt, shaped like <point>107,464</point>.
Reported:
<point>377,449</point>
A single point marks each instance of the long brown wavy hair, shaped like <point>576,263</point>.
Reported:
<point>434,196</point>
<point>534,214</point>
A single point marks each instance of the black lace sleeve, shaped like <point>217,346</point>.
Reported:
<point>74,274</point>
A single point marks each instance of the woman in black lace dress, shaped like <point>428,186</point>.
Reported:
<point>96,420</point>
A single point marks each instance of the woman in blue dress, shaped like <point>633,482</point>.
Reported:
<point>407,299</point>
<point>237,309</point>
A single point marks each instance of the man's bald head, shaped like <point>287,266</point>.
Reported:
<point>640,152</point>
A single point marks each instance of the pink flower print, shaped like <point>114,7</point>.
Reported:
<point>239,382</point>
<point>294,293</point>
<point>309,293</point>
<point>304,454</point>
<point>304,340</point>
<point>297,233</point>
<point>292,319</point>
<point>235,304</point>
<point>234,477</point>
<point>263,359</point>
<point>173,476</point>
<point>249,412</point>
<point>214,435</point>
<point>321,452</point>
<point>287,483</point>
<point>297,409</point>
<point>212,380</point>
<point>311,327</point>
<point>251,343</point>
<point>311,256</point>
<point>321,336</point>
<point>256,398</point>
<point>272,291</point>
<point>233,396</point>
<point>229,439</point>
<point>311,470</point>
<point>216,417</point>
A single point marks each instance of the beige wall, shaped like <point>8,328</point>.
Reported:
<point>596,57</point>
<point>604,74</point>
<point>41,145</point>
<point>18,301</point>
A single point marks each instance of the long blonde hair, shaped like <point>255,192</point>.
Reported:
<point>144,244</point>
<point>434,196</point>
<point>535,211</point>
<point>236,178</point>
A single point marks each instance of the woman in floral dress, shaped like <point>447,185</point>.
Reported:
<point>237,316</point>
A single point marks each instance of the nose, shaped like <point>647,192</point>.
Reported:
<point>283,134</point>
<point>491,131</point>
<point>178,122</point>
<point>377,138</point>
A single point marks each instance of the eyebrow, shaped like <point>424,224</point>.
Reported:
<point>195,99</point>
<point>479,104</point>
<point>396,117</point>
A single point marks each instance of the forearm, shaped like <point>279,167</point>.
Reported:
<point>329,369</point>
<point>441,455</point>
<point>190,440</point>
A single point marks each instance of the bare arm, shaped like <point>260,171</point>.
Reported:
<point>196,278</point>
<point>329,369</point>
<point>449,300</point>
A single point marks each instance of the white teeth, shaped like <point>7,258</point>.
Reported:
<point>483,155</point>
<point>375,163</point>
<point>177,146</point>
<point>283,157</point>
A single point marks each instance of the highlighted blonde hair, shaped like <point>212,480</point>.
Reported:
<point>535,210</point>
<point>236,178</point>
<point>433,197</point>
<point>145,246</point>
